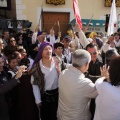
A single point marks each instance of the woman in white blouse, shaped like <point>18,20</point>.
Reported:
<point>108,99</point>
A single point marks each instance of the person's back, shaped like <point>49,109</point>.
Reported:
<point>74,101</point>
<point>107,102</point>
<point>75,92</point>
<point>108,87</point>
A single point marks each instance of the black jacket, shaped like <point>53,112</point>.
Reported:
<point>94,70</point>
<point>5,85</point>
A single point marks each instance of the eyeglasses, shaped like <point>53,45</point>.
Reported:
<point>94,53</point>
<point>12,40</point>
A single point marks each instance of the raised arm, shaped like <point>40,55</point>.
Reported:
<point>13,82</point>
<point>34,36</point>
<point>82,38</point>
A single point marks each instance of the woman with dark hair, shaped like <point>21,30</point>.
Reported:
<point>18,56</point>
<point>11,47</point>
<point>23,105</point>
<point>108,99</point>
<point>109,55</point>
<point>33,50</point>
<point>114,71</point>
<point>19,42</point>
<point>12,41</point>
<point>23,52</point>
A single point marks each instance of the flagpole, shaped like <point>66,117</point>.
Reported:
<point>41,19</point>
<point>89,21</point>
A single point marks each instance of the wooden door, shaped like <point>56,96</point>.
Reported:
<point>49,20</point>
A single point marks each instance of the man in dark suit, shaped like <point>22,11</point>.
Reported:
<point>93,70</point>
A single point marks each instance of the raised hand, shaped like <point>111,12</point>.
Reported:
<point>21,70</point>
<point>104,71</point>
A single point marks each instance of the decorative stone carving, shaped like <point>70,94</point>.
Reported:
<point>55,2</point>
<point>108,3</point>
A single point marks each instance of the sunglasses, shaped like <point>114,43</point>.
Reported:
<point>94,53</point>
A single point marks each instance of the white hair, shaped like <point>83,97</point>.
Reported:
<point>80,58</point>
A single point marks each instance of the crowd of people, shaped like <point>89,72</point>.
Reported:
<point>44,76</point>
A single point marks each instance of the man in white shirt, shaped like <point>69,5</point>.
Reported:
<point>45,72</point>
<point>51,37</point>
<point>38,37</point>
<point>67,53</point>
<point>58,51</point>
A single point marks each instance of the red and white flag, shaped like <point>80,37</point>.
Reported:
<point>77,13</point>
<point>112,27</point>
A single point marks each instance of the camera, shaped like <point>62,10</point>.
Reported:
<point>25,61</point>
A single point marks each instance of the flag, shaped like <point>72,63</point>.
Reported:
<point>77,13</point>
<point>41,14</point>
<point>112,27</point>
<point>41,19</point>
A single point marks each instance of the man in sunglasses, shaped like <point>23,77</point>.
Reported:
<point>93,70</point>
<point>95,64</point>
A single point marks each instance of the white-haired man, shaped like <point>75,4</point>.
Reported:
<point>75,90</point>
